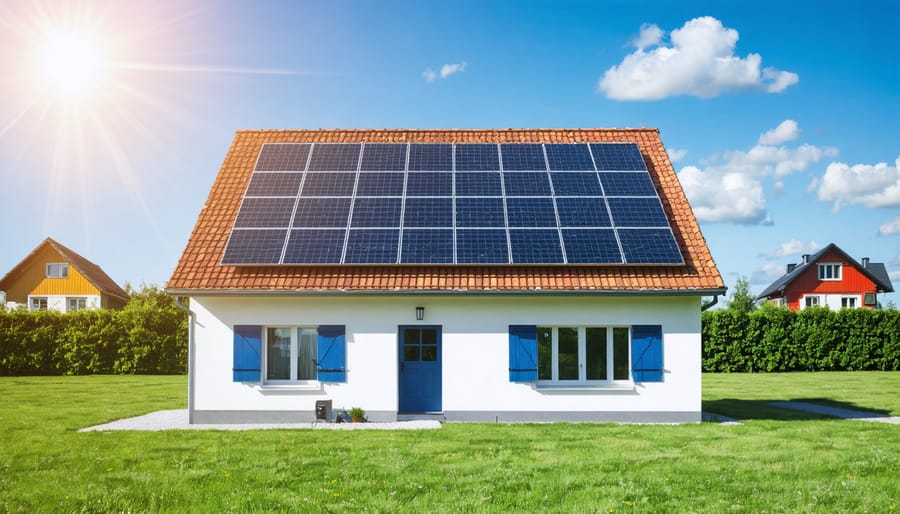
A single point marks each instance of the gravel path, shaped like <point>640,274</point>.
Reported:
<point>838,412</point>
<point>178,420</point>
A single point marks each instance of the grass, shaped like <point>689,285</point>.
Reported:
<point>772,463</point>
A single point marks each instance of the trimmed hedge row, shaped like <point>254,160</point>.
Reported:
<point>817,339</point>
<point>143,338</point>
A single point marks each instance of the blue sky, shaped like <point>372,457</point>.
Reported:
<point>782,118</point>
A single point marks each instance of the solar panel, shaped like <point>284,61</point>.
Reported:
<point>429,184</point>
<point>380,184</point>
<point>591,246</point>
<point>582,212</point>
<point>526,184</point>
<point>569,157</point>
<point>535,246</point>
<point>307,246</point>
<point>265,213</point>
<point>334,157</point>
<point>575,184</point>
<point>383,157</point>
<point>477,158</point>
<point>627,184</point>
<point>523,157</point>
<point>274,184</point>
<point>481,247</point>
<point>430,157</point>
<point>649,246</point>
<point>479,212</point>
<point>618,157</point>
<point>376,213</point>
<point>282,157</point>
<point>427,246</point>
<point>388,203</point>
<point>637,212</point>
<point>372,246</point>
<point>254,247</point>
<point>428,212</point>
<point>478,184</point>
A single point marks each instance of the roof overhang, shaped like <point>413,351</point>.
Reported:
<point>245,293</point>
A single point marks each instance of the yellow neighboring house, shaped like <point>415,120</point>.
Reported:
<point>56,278</point>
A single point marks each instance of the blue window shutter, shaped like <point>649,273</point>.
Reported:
<point>646,353</point>
<point>332,353</point>
<point>247,344</point>
<point>523,353</point>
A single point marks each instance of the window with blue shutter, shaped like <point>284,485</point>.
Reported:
<point>247,345</point>
<point>332,353</point>
<point>523,353</point>
<point>646,353</point>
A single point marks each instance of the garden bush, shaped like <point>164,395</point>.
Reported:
<point>815,339</point>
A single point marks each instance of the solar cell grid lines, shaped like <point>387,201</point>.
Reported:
<point>440,203</point>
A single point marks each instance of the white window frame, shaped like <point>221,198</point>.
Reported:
<point>830,271</point>
<point>57,270</point>
<point>812,300</point>
<point>34,299</point>
<point>81,303</point>
<point>850,299</point>
<point>582,356</point>
<point>295,331</point>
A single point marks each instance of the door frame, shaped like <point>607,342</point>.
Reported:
<point>439,364</point>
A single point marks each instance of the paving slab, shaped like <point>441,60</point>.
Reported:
<point>177,419</point>
<point>838,412</point>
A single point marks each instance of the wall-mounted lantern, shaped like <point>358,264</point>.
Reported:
<point>420,313</point>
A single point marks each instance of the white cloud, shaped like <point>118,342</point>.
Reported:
<point>891,228</point>
<point>700,62</point>
<point>729,187</point>
<point>864,184</point>
<point>721,197</point>
<point>446,70</point>
<point>676,154</point>
<point>895,275</point>
<point>794,247</point>
<point>767,273</point>
<point>786,131</point>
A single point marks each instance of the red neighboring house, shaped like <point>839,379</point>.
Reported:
<point>830,278</point>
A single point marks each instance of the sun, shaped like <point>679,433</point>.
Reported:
<point>71,63</point>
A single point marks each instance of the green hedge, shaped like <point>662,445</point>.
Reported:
<point>146,337</point>
<point>817,339</point>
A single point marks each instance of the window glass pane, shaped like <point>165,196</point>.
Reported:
<point>595,349</point>
<point>568,353</point>
<point>620,353</point>
<point>306,354</point>
<point>278,354</point>
<point>411,352</point>
<point>429,353</point>
<point>411,336</point>
<point>545,350</point>
<point>429,336</point>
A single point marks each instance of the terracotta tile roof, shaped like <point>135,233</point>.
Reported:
<point>90,271</point>
<point>199,269</point>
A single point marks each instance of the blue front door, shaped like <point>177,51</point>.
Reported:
<point>420,368</point>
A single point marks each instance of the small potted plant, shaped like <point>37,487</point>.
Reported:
<point>357,414</point>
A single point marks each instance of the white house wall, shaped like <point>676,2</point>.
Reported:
<point>475,359</point>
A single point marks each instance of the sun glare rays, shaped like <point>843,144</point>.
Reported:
<point>91,92</point>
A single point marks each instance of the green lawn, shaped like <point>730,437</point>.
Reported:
<point>777,461</point>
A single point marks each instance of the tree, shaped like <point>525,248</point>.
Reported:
<point>742,300</point>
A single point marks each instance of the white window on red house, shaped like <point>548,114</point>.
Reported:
<point>813,301</point>
<point>849,302</point>
<point>38,303</point>
<point>830,271</point>
<point>76,303</point>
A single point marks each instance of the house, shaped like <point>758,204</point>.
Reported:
<point>464,275</point>
<point>830,278</point>
<point>56,278</point>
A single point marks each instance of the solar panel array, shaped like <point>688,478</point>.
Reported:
<point>329,203</point>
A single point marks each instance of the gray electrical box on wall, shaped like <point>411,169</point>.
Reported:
<point>323,410</point>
